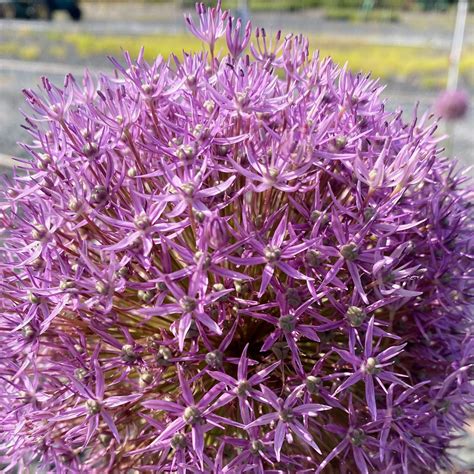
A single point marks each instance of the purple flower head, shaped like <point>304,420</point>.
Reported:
<point>233,263</point>
<point>452,105</point>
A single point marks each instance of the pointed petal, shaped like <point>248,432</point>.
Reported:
<point>110,423</point>
<point>368,338</point>
<point>243,364</point>
<point>279,438</point>
<point>268,272</point>
<point>186,392</point>
<point>352,380</point>
<point>370,396</point>
<point>263,420</point>
<point>304,435</point>
<point>198,440</point>
<point>183,328</point>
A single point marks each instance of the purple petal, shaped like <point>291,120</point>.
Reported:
<point>186,392</point>
<point>370,396</point>
<point>209,322</point>
<point>310,409</point>
<point>224,378</point>
<point>360,460</point>
<point>110,423</point>
<point>352,380</point>
<point>243,364</point>
<point>210,395</point>
<point>368,338</point>
<point>263,420</point>
<point>268,272</point>
<point>292,272</point>
<point>183,328</point>
<point>198,440</point>
<point>304,435</point>
<point>172,429</point>
<point>279,438</point>
<point>333,454</point>
<point>164,405</point>
<point>261,375</point>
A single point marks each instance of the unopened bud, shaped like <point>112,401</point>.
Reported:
<point>349,251</point>
<point>214,359</point>
<point>356,316</point>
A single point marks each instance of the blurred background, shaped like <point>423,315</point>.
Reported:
<point>407,43</point>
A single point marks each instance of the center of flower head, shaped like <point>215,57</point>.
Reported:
<point>349,251</point>
<point>28,332</point>
<point>313,258</point>
<point>214,359</point>
<point>178,441</point>
<point>255,446</point>
<point>357,437</point>
<point>188,303</point>
<point>39,232</point>
<point>242,387</point>
<point>192,415</point>
<point>272,254</point>
<point>313,383</point>
<point>355,315</point>
<point>188,189</point>
<point>99,194</point>
<point>142,221</point>
<point>287,323</point>
<point>370,366</point>
<point>93,406</point>
<point>286,415</point>
<point>128,353</point>
<point>272,175</point>
<point>163,356</point>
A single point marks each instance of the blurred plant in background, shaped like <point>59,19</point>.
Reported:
<point>229,263</point>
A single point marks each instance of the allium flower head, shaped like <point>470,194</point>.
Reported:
<point>232,263</point>
<point>452,105</point>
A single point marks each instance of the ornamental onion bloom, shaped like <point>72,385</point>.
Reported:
<point>234,262</point>
<point>452,105</point>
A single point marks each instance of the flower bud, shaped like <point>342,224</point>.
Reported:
<point>74,204</point>
<point>287,323</point>
<point>93,406</point>
<point>178,441</point>
<point>217,232</point>
<point>313,258</point>
<point>313,384</point>
<point>163,356</point>
<point>188,304</point>
<point>39,232</point>
<point>214,359</point>
<point>128,353</point>
<point>192,416</point>
<point>146,295</point>
<point>99,194</point>
<point>102,288</point>
<point>355,315</point>
<point>33,299</point>
<point>281,350</point>
<point>272,254</point>
<point>28,332</point>
<point>349,251</point>
<point>145,379</point>
<point>142,221</point>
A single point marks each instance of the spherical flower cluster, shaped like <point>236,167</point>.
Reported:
<point>452,105</point>
<point>232,263</point>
